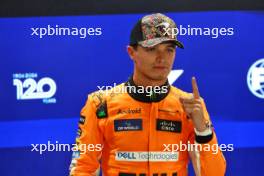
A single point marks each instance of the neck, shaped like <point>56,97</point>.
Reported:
<point>146,94</point>
<point>142,80</point>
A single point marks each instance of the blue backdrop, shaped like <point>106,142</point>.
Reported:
<point>78,65</point>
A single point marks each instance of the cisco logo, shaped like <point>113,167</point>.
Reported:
<point>255,78</point>
<point>29,87</point>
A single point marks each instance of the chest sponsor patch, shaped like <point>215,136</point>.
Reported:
<point>147,156</point>
<point>169,125</point>
<point>128,125</point>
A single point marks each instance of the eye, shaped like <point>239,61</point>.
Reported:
<point>170,50</point>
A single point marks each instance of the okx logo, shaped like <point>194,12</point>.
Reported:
<point>29,86</point>
<point>255,78</point>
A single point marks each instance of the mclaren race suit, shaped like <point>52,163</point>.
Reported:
<point>134,134</point>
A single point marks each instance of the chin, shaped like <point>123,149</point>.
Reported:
<point>159,77</point>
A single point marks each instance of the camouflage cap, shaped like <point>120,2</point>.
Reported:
<point>152,30</point>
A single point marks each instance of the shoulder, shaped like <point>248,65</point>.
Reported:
<point>103,96</point>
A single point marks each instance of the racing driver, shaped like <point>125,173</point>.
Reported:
<point>138,129</point>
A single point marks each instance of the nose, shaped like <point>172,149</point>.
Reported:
<point>160,56</point>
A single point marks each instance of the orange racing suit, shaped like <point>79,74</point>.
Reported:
<point>133,134</point>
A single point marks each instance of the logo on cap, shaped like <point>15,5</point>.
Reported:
<point>165,24</point>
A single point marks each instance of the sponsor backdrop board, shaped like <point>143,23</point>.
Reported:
<point>46,74</point>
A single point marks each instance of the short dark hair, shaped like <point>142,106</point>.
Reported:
<point>135,46</point>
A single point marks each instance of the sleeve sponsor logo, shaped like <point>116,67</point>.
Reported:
<point>82,120</point>
<point>79,132</point>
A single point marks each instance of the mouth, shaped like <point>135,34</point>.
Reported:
<point>160,67</point>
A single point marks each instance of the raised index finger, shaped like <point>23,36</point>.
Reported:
<point>196,93</point>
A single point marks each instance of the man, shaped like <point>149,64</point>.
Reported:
<point>140,128</point>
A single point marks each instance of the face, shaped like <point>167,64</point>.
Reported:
<point>153,63</point>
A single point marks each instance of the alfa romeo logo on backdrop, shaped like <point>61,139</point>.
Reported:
<point>255,78</point>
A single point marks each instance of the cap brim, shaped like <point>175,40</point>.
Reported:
<point>156,41</point>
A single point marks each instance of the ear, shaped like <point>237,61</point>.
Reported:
<point>131,52</point>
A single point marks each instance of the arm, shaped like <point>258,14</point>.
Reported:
<point>86,162</point>
<point>209,160</point>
